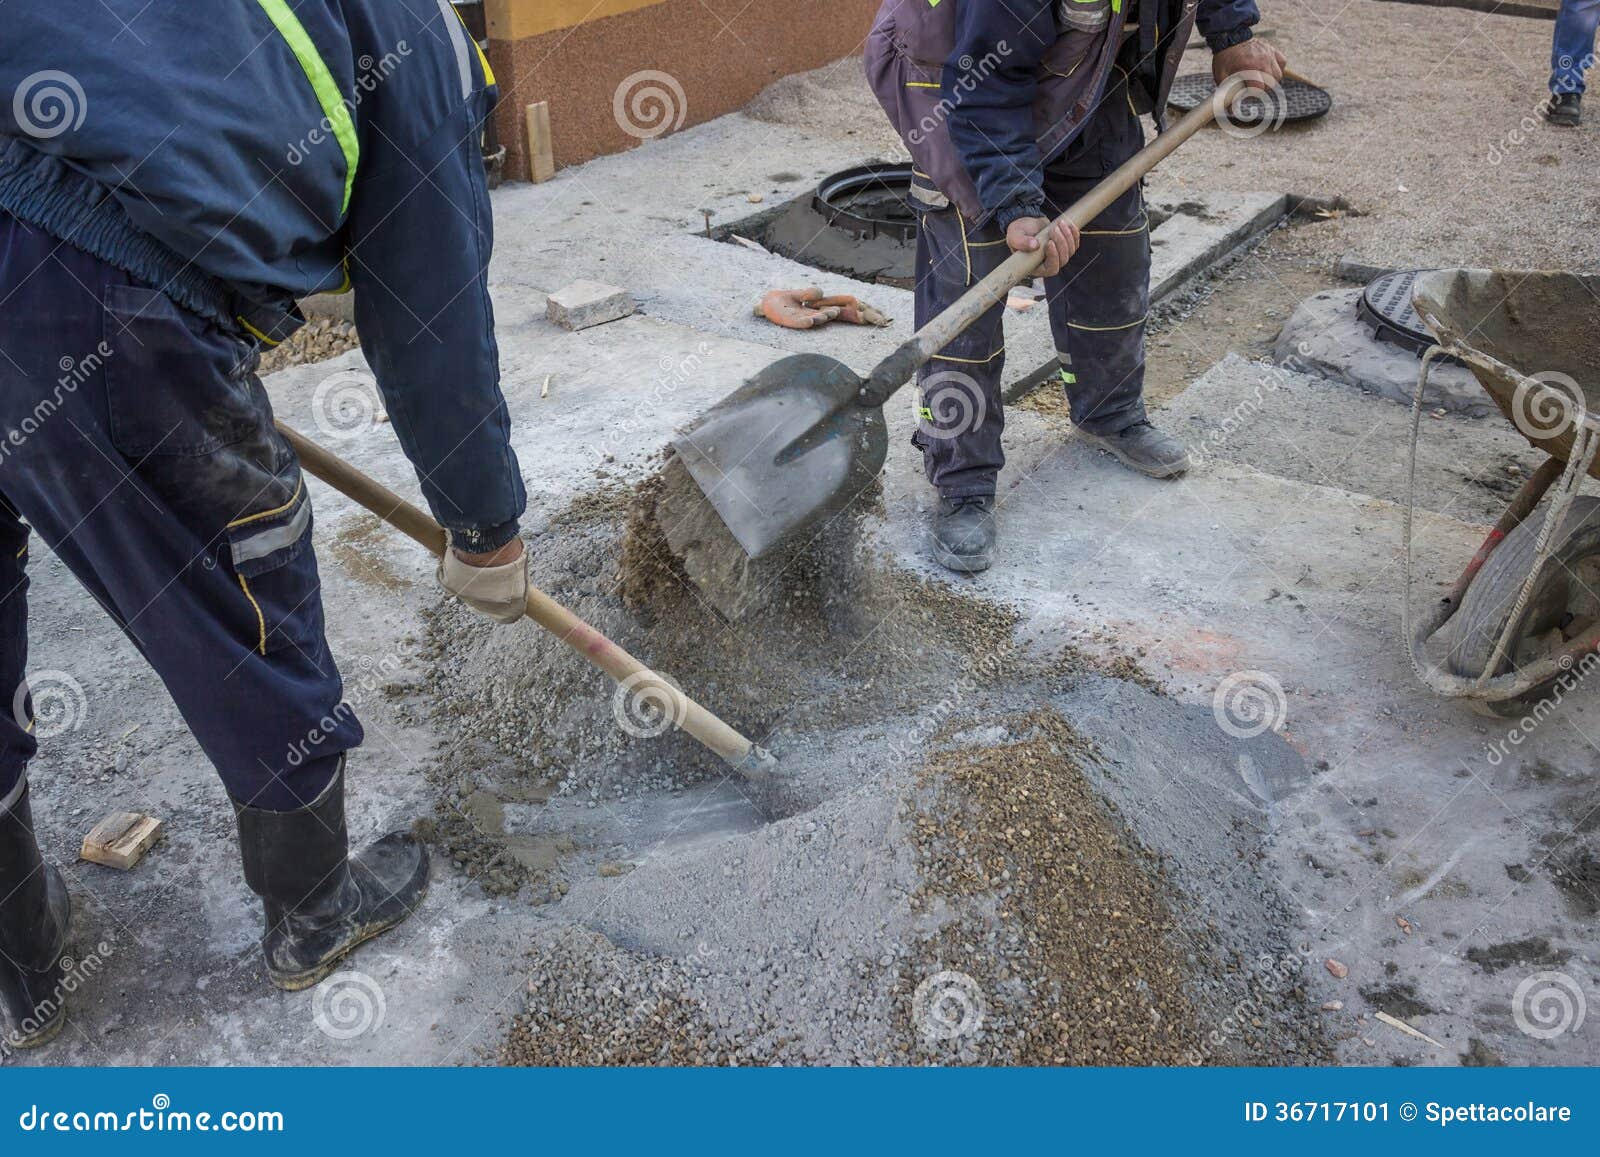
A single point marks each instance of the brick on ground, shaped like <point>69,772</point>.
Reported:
<point>587,303</point>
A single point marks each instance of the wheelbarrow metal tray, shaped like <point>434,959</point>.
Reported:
<point>1515,327</point>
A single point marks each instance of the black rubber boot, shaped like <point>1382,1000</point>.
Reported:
<point>320,902</point>
<point>1144,448</point>
<point>34,913</point>
<point>1565,109</point>
<point>964,533</point>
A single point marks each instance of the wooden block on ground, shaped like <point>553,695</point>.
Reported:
<point>541,157</point>
<point>121,839</point>
<point>586,303</point>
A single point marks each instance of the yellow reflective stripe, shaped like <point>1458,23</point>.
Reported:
<point>1139,228</point>
<point>256,333</point>
<point>269,513</point>
<point>322,83</point>
<point>1104,328</point>
<point>921,84</point>
<point>488,73</point>
<point>969,361</point>
<point>261,620</point>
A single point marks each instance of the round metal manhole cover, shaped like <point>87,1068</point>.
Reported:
<point>1295,101</point>
<point>869,201</point>
<point>1386,306</point>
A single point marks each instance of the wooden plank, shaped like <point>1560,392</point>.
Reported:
<point>121,839</point>
<point>541,158</point>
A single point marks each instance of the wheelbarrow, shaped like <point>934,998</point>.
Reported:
<point>1522,623</point>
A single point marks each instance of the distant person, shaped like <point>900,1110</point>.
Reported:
<point>1012,110</point>
<point>172,179</point>
<point>1570,57</point>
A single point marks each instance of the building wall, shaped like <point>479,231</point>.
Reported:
<point>616,72</point>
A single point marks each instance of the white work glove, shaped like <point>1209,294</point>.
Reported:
<point>500,591</point>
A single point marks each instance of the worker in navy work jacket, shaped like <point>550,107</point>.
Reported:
<point>172,178</point>
<point>1012,110</point>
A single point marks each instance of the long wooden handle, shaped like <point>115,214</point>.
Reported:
<point>640,683</point>
<point>897,368</point>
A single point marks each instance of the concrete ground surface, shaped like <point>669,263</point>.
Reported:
<point>1308,799</point>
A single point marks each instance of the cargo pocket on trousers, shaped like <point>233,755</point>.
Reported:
<point>276,571</point>
<point>188,413</point>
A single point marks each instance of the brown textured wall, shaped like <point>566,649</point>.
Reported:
<point>718,54</point>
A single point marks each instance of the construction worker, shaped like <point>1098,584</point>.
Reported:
<point>1571,55</point>
<point>170,183</point>
<point>1012,111</point>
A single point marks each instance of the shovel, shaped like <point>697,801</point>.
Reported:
<point>798,441</point>
<point>638,685</point>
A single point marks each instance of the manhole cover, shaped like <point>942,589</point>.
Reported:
<point>1386,306</point>
<point>1298,101</point>
<point>870,201</point>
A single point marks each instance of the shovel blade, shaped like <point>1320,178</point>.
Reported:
<point>786,450</point>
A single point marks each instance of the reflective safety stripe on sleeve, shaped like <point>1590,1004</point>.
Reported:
<point>322,83</point>
<point>465,45</point>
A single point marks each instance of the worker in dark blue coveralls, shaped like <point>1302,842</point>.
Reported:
<point>171,181</point>
<point>1012,111</point>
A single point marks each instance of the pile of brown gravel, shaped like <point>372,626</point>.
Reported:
<point>1060,916</point>
<point>318,340</point>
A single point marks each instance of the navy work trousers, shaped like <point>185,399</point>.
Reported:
<point>137,441</point>
<point>1097,309</point>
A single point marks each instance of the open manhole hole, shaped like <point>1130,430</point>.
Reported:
<point>859,222</point>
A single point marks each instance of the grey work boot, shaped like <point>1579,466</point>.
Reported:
<point>34,913</point>
<point>1144,448</point>
<point>963,533</point>
<point>320,902</point>
<point>1565,109</point>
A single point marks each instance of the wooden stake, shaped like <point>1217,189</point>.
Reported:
<point>541,159</point>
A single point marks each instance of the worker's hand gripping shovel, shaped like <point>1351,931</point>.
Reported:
<point>633,677</point>
<point>806,435</point>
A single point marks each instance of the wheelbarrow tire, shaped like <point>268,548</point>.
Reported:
<point>1491,596</point>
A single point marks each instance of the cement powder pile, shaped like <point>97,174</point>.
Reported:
<point>832,101</point>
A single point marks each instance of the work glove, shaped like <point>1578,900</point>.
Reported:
<point>499,591</point>
<point>807,309</point>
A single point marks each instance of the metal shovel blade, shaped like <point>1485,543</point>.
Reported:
<point>785,450</point>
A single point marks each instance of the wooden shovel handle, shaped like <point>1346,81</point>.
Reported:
<point>639,680</point>
<point>897,369</point>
